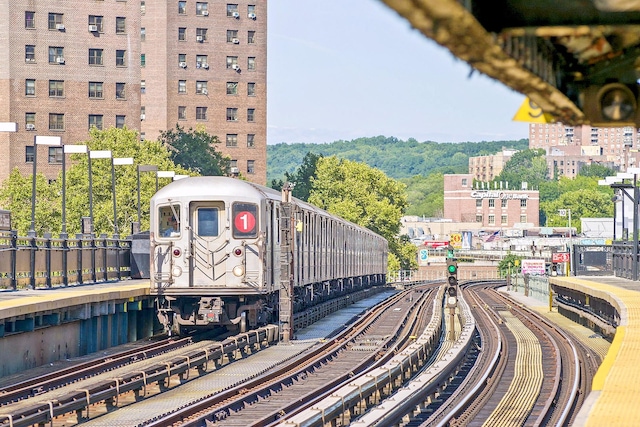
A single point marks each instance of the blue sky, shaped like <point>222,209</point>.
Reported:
<point>345,69</point>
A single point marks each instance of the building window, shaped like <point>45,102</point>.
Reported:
<point>201,113</point>
<point>143,87</point>
<point>56,55</point>
<point>251,166</point>
<point>492,220</point>
<point>251,11</point>
<point>478,218</point>
<point>201,88</point>
<point>232,11</point>
<point>250,140</point>
<point>97,21</point>
<point>492,203</point>
<point>55,155</point>
<point>143,60</point>
<point>28,154</point>
<point>30,87</point>
<point>95,120</point>
<point>503,220</point>
<point>29,19</point>
<point>201,34</point>
<point>30,53</point>
<point>182,7</point>
<point>143,7</point>
<point>232,114</point>
<point>232,140</point>
<point>231,61</point>
<point>503,203</point>
<point>478,203</point>
<point>30,120</point>
<point>143,136</point>
<point>523,219</point>
<point>120,122</point>
<point>202,8</point>
<point>120,91</point>
<point>56,88</point>
<point>143,111</point>
<point>251,114</point>
<point>182,113</point>
<point>182,33</point>
<point>121,25</point>
<point>143,34</point>
<point>55,21</point>
<point>232,88</point>
<point>233,165</point>
<point>120,58</point>
<point>232,36</point>
<point>95,90</point>
<point>182,60</point>
<point>251,63</point>
<point>251,89</point>
<point>95,56</point>
<point>202,61</point>
<point>523,203</point>
<point>182,86</point>
<point>464,182</point>
<point>251,37</point>
<point>56,121</point>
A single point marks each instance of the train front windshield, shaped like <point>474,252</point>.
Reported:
<point>169,221</point>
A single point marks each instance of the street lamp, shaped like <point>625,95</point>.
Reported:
<point>563,213</point>
<point>98,154</point>
<point>144,168</point>
<point>67,149</point>
<point>117,161</point>
<point>38,140</point>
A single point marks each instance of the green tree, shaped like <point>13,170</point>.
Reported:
<point>587,203</point>
<point>596,171</point>
<point>365,196</point>
<point>509,264</point>
<point>195,150</point>
<point>425,195</point>
<point>528,166</point>
<point>15,193</point>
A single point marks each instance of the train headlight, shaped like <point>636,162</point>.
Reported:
<point>176,271</point>
<point>617,102</point>
<point>238,251</point>
<point>238,271</point>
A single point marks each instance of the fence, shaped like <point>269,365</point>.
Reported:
<point>45,262</point>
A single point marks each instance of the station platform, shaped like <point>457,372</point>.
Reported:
<point>615,396</point>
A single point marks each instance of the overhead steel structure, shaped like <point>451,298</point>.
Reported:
<point>578,60</point>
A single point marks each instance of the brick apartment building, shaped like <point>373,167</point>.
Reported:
<point>147,65</point>
<point>491,208</point>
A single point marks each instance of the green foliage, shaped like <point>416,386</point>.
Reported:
<point>425,195</point>
<point>15,194</point>
<point>587,202</point>
<point>596,171</point>
<point>365,196</point>
<point>303,177</point>
<point>527,166</point>
<point>509,264</point>
<point>195,150</point>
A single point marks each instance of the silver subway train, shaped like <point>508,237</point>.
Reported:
<point>216,254</point>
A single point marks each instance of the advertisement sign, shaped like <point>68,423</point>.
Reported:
<point>456,240</point>
<point>423,257</point>
<point>560,257</point>
<point>533,267</point>
<point>466,240</point>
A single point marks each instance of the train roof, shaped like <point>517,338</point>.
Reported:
<point>212,187</point>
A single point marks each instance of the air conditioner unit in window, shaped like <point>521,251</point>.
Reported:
<point>183,65</point>
<point>205,65</point>
<point>236,15</point>
<point>60,60</point>
<point>235,67</point>
<point>93,28</point>
<point>59,26</point>
<point>199,38</point>
<point>141,116</point>
<point>30,126</point>
<point>235,41</point>
<point>205,92</point>
<point>251,16</point>
<point>205,13</point>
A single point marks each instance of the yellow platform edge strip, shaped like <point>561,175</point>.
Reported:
<point>604,369</point>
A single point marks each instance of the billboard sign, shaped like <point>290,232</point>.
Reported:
<point>534,267</point>
<point>560,257</point>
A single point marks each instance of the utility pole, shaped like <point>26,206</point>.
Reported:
<point>286,264</point>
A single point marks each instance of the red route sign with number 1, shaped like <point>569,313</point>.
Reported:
<point>560,257</point>
<point>244,221</point>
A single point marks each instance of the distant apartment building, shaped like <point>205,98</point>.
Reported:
<point>491,205</point>
<point>148,65</point>
<point>487,168</point>
<point>568,148</point>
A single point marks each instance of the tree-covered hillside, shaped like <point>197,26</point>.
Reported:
<point>396,158</point>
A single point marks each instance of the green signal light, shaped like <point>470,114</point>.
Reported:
<point>452,268</point>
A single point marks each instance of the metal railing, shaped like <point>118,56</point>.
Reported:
<point>45,262</point>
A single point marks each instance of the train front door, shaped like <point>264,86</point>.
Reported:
<point>207,244</point>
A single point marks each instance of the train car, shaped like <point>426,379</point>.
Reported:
<point>216,254</point>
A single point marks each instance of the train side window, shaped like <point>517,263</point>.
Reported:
<point>169,221</point>
<point>207,222</point>
<point>245,220</point>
